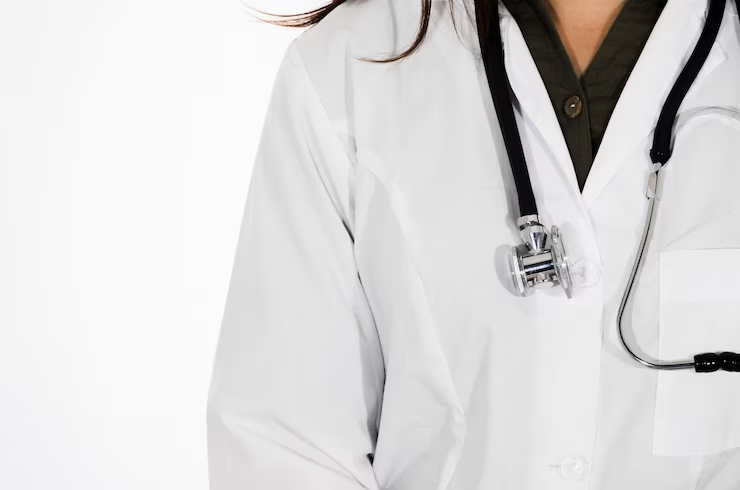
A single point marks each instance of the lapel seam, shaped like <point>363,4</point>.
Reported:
<point>538,115</point>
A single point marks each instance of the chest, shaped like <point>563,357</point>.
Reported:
<point>436,195</point>
<point>435,208</point>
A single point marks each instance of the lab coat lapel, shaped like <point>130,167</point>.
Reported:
<point>534,101</point>
<point>636,113</point>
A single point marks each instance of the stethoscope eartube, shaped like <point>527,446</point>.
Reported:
<point>541,260</point>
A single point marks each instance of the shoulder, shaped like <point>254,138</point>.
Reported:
<point>331,52</point>
<point>328,53</point>
<point>359,28</point>
<point>375,29</point>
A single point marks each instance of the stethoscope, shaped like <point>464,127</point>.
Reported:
<point>541,261</point>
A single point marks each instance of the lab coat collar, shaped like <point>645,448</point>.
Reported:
<point>640,102</point>
<point>647,88</point>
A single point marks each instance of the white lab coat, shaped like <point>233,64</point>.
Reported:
<point>369,310</point>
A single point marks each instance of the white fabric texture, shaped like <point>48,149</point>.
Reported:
<point>370,312</point>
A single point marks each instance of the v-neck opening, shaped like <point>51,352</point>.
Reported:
<point>562,50</point>
<point>599,87</point>
<point>605,42</point>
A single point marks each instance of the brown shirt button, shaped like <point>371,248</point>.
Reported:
<point>573,106</point>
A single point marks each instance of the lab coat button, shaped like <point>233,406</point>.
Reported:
<point>573,467</point>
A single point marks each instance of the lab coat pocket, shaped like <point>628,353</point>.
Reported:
<point>698,413</point>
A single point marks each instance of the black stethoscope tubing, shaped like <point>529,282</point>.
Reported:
<point>493,59</point>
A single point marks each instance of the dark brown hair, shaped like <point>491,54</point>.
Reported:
<point>307,19</point>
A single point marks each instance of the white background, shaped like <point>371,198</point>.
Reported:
<point>128,131</point>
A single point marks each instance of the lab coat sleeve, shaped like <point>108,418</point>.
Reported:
<point>297,376</point>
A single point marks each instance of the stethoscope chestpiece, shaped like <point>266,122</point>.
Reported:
<point>541,261</point>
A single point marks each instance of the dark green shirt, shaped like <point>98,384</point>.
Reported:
<point>584,104</point>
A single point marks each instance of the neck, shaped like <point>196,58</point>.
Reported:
<point>582,25</point>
